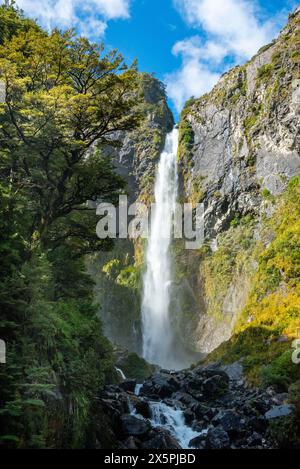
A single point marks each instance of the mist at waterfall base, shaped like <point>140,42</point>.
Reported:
<point>159,342</point>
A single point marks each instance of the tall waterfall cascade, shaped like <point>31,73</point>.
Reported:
<point>158,341</point>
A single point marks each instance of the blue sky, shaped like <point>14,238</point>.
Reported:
<point>185,43</point>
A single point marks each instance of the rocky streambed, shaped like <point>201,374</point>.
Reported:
<point>208,407</point>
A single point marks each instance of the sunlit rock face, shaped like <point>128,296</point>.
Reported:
<point>239,147</point>
<point>244,137</point>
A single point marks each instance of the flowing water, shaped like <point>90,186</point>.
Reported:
<point>118,370</point>
<point>173,420</point>
<point>158,341</point>
<point>157,331</point>
<point>170,418</point>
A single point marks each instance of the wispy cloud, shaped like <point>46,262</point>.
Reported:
<point>194,78</point>
<point>89,17</point>
<point>231,32</point>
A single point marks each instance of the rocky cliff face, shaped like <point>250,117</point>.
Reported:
<point>239,147</point>
<point>140,149</point>
<point>244,135</point>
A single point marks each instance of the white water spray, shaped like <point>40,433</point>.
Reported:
<point>170,418</point>
<point>157,332</point>
<point>173,420</point>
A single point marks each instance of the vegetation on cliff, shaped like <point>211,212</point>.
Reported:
<point>270,320</point>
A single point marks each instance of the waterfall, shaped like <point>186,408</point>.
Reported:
<point>157,333</point>
<point>118,370</point>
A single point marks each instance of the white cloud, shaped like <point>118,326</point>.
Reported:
<point>89,17</point>
<point>234,22</point>
<point>231,28</point>
<point>194,77</point>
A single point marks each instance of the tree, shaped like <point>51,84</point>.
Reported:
<point>12,21</point>
<point>64,101</point>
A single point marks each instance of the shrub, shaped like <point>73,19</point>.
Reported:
<point>281,372</point>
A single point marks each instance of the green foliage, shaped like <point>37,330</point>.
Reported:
<point>135,367</point>
<point>250,122</point>
<point>64,101</point>
<point>228,264</point>
<point>285,432</point>
<point>60,346</point>
<point>266,194</point>
<point>186,140</point>
<point>13,22</point>
<point>294,396</point>
<point>281,372</point>
<point>117,290</point>
<point>264,72</point>
<point>273,305</point>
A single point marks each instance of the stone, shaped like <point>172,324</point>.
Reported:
<point>258,423</point>
<point>131,443</point>
<point>279,411</point>
<point>143,408</point>
<point>255,439</point>
<point>234,371</point>
<point>198,442</point>
<point>202,411</point>
<point>185,398</point>
<point>160,439</point>
<point>131,425</point>
<point>215,386</point>
<point>128,385</point>
<point>217,438</point>
<point>229,420</point>
<point>161,384</point>
<point>189,416</point>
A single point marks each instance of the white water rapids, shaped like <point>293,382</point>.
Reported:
<point>157,331</point>
<point>170,418</point>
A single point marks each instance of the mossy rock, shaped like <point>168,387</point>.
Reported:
<point>135,367</point>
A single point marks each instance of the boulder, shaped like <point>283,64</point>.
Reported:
<point>255,439</point>
<point>203,412</point>
<point>258,423</point>
<point>229,420</point>
<point>234,371</point>
<point>131,443</point>
<point>198,442</point>
<point>184,398</point>
<point>160,439</point>
<point>143,408</point>
<point>217,438</point>
<point>128,385</point>
<point>279,411</point>
<point>194,381</point>
<point>189,416</point>
<point>215,386</point>
<point>160,385</point>
<point>131,425</point>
